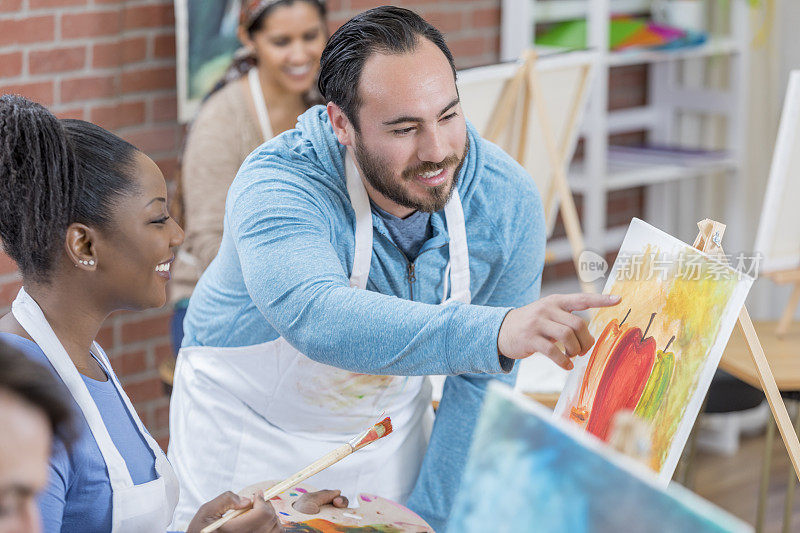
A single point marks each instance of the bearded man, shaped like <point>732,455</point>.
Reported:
<point>381,241</point>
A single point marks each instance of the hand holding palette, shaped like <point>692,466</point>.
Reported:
<point>373,515</point>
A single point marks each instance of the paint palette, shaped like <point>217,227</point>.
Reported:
<point>373,515</point>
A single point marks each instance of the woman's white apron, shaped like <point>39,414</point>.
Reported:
<point>247,414</point>
<point>135,508</point>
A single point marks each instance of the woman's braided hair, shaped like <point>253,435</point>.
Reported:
<point>54,173</point>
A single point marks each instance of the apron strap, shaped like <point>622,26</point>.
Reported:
<point>360,202</point>
<point>32,319</point>
<point>258,100</point>
<point>459,251</point>
<point>103,359</point>
<point>457,268</point>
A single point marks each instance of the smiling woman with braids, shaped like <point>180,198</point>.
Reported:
<point>83,213</point>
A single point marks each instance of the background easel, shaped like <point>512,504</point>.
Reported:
<point>779,225</point>
<point>521,92</point>
<point>709,241</point>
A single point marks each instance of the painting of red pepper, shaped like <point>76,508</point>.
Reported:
<point>672,296</point>
<point>623,380</point>
<point>605,344</point>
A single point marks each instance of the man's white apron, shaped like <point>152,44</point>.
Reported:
<point>247,414</point>
<point>135,508</point>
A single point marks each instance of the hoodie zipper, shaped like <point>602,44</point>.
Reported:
<point>411,275</point>
<point>411,278</point>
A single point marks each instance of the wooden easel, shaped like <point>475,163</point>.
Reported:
<point>526,80</point>
<point>791,277</point>
<point>709,241</point>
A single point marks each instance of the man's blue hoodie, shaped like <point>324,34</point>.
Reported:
<point>284,264</point>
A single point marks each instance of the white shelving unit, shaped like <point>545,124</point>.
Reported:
<point>675,197</point>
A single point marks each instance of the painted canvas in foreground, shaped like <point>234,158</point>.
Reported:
<point>656,352</point>
<point>530,472</point>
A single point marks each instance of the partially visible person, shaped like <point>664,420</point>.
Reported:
<point>85,219</point>
<point>261,95</point>
<point>33,408</point>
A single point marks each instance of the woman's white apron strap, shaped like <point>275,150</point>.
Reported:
<point>261,106</point>
<point>142,507</point>
<point>31,318</point>
<point>163,468</point>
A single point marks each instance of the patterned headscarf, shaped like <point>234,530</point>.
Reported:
<point>252,9</point>
<point>244,58</point>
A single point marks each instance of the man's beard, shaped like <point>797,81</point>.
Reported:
<point>378,174</point>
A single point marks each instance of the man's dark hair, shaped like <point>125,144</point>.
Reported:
<point>53,173</point>
<point>387,30</point>
<point>36,386</point>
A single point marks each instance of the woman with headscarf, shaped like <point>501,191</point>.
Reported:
<point>261,95</point>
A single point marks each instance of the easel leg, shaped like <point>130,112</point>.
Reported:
<point>788,506</point>
<point>788,312</point>
<point>766,465</point>
<point>569,214</point>
<point>708,241</point>
<point>770,388</point>
<point>504,108</point>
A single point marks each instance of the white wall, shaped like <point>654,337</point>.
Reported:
<point>772,60</point>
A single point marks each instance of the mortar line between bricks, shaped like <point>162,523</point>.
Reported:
<point>111,100</point>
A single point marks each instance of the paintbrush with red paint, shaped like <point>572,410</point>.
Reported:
<point>378,431</point>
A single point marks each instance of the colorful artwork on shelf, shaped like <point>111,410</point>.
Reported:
<point>656,352</point>
<point>529,471</point>
<point>624,33</point>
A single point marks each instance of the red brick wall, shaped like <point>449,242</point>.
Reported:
<point>113,62</point>
<point>472,27</point>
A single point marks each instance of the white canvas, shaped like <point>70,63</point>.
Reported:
<point>778,238</point>
<point>657,350</point>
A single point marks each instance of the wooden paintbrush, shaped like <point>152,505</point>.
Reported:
<point>379,430</point>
